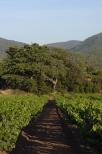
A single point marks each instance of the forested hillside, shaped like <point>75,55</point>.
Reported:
<point>88,45</point>
<point>90,49</point>
<point>65,45</point>
<point>94,59</point>
<point>91,43</point>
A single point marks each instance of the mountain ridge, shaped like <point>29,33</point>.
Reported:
<point>66,45</point>
<point>91,43</point>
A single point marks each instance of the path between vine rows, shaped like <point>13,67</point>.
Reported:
<point>47,135</point>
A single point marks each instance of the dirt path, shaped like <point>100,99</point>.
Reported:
<point>46,135</point>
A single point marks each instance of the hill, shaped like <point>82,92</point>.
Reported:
<point>90,49</point>
<point>89,44</point>
<point>5,44</point>
<point>92,43</point>
<point>66,45</point>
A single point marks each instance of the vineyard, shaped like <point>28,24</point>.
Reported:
<point>16,113</point>
<point>84,110</point>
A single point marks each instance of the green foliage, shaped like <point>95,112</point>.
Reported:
<point>16,113</point>
<point>86,112</point>
<point>20,82</point>
<point>5,44</point>
<point>34,68</point>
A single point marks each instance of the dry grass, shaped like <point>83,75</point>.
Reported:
<point>3,152</point>
<point>8,92</point>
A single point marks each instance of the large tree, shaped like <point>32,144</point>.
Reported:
<point>41,69</point>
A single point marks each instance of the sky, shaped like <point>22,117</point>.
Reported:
<point>48,21</point>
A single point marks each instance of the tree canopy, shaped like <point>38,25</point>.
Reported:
<point>40,69</point>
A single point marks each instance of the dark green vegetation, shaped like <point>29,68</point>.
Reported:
<point>86,112</point>
<point>16,113</point>
<point>40,69</point>
<point>5,44</point>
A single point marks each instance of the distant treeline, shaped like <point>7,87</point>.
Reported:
<point>40,69</point>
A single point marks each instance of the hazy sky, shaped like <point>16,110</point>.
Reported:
<point>45,21</point>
